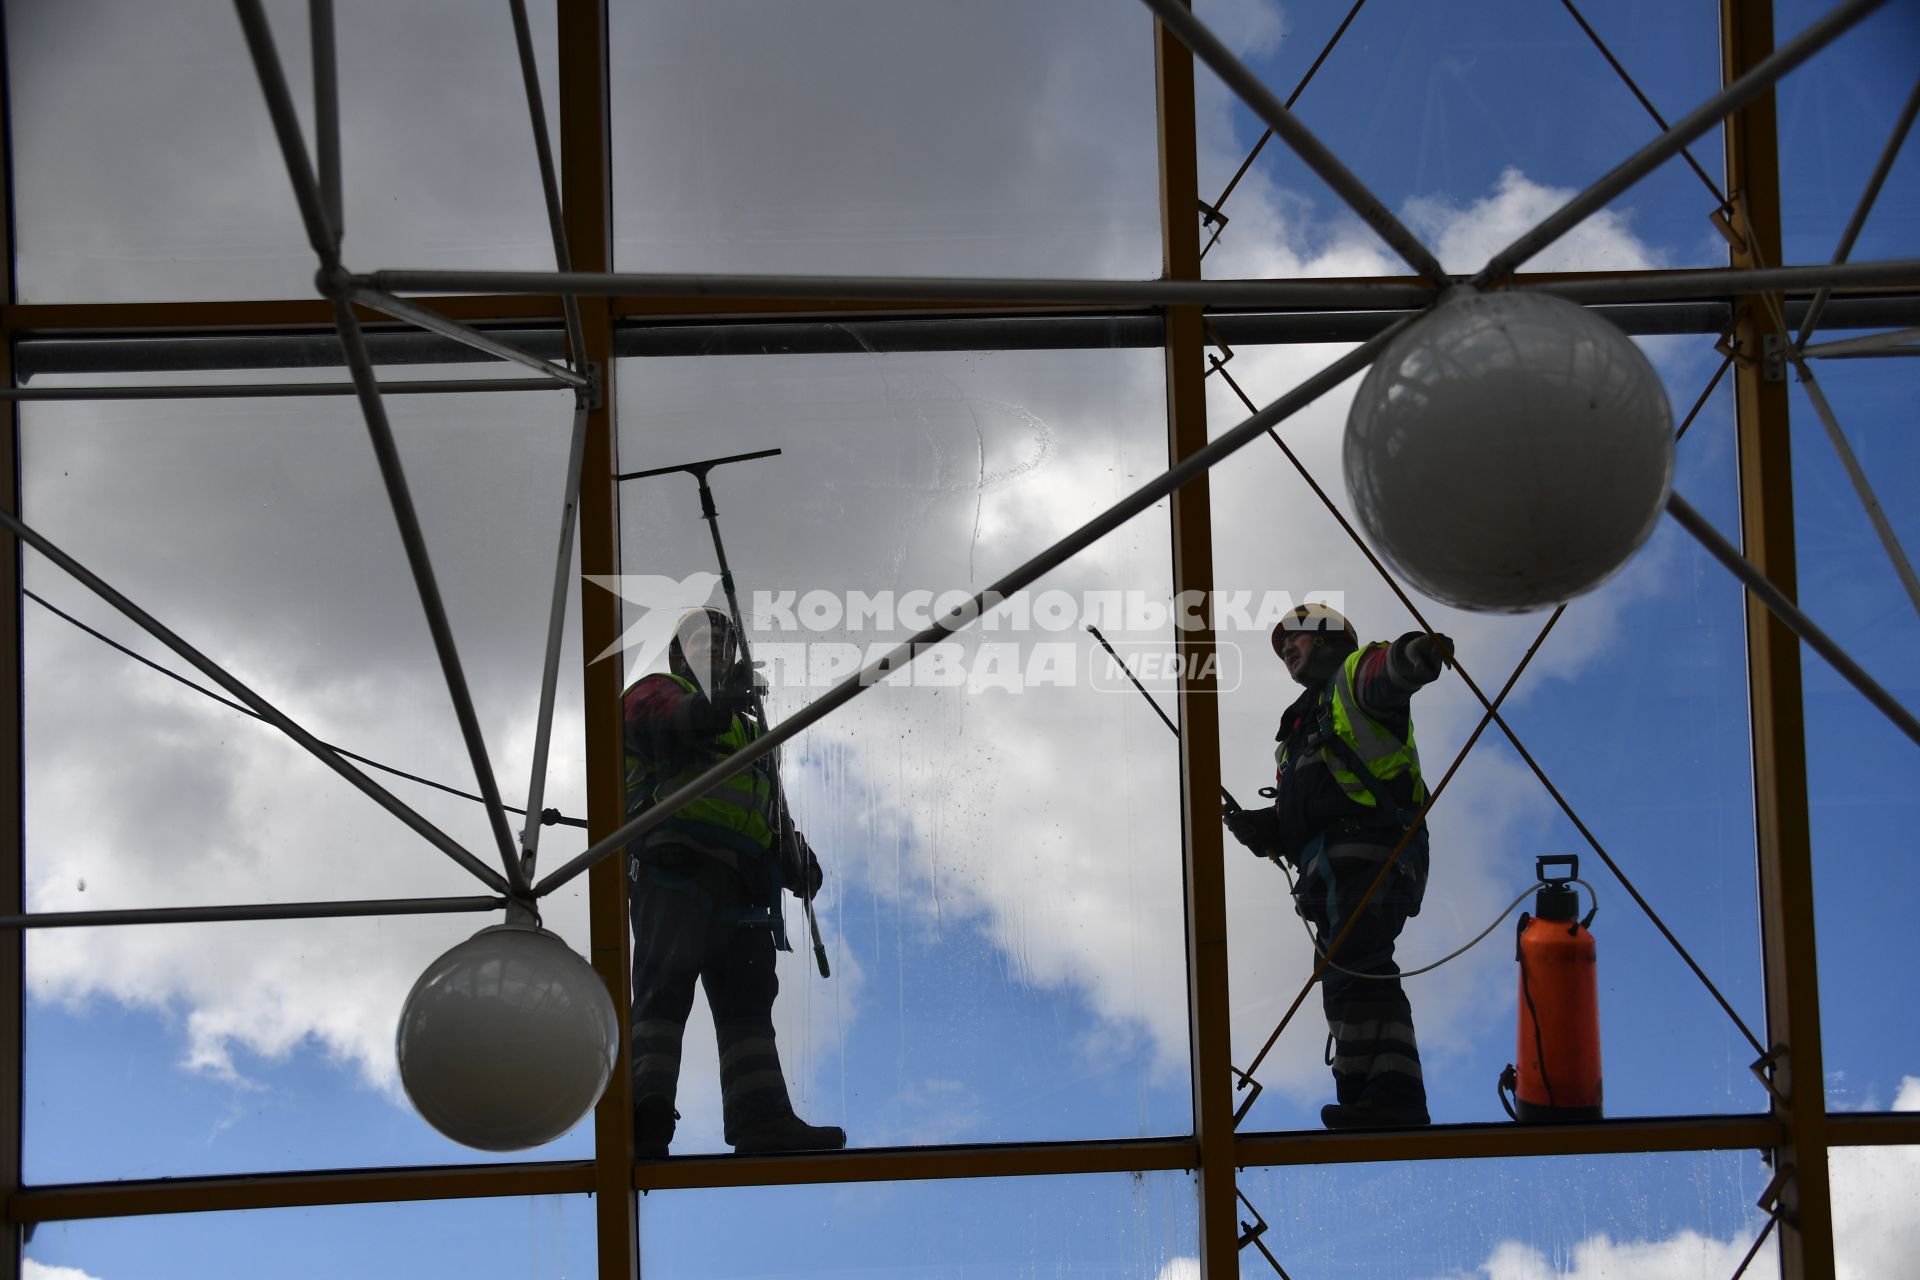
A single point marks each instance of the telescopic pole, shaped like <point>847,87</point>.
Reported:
<point>699,470</point>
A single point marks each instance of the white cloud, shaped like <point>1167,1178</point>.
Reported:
<point>1876,1230</point>
<point>31,1270</point>
<point>1180,1269</point>
<point>1464,239</point>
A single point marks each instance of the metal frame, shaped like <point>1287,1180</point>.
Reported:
<point>588,298</point>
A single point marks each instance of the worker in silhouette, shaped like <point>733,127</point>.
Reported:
<point>704,895</point>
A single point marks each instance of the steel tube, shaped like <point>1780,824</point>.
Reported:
<point>271,390</point>
<point>550,665</point>
<point>1045,562</point>
<point>326,114</point>
<point>393,474</point>
<point>1893,272</point>
<point>1790,616</point>
<point>1193,33</point>
<point>286,127</point>
<point>266,710</point>
<point>934,290</point>
<point>400,309</point>
<point>1873,344</point>
<point>1860,210</point>
<point>250,911</point>
<point>1862,487</point>
<point>1650,157</point>
<point>549,181</point>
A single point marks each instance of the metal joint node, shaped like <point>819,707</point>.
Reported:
<point>1723,219</point>
<point>1773,1200</point>
<point>1764,1068</point>
<point>1773,357</point>
<point>593,396</point>
<point>333,281</point>
<point>1252,1086</point>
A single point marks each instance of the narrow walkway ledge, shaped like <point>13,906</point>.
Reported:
<point>1503,1140</point>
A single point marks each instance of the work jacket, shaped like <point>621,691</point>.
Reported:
<point>1347,766</point>
<point>666,748</point>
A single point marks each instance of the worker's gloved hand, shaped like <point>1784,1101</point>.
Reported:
<point>1418,658</point>
<point>736,690</point>
<point>800,869</point>
<point>1258,829</point>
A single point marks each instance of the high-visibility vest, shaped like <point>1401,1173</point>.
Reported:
<point>1392,763</point>
<point>736,816</point>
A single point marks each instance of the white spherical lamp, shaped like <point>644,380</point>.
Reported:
<point>507,1040</point>
<point>1509,451</point>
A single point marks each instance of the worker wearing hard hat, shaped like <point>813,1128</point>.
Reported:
<point>701,885</point>
<point>1347,788</point>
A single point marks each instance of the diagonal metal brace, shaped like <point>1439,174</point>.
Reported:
<point>434,322</point>
<point>1252,1087</point>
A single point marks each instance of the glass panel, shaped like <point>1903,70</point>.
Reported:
<point>874,137</point>
<point>1862,806</point>
<point>1472,124</point>
<point>1876,1202</point>
<point>1679,1217</point>
<point>1836,115</point>
<point>1140,1224</point>
<point>259,530</point>
<point>514,1238</point>
<point>145,165</point>
<point>1001,837</point>
<point>1672,807</point>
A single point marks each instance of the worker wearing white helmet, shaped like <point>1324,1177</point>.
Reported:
<point>1347,788</point>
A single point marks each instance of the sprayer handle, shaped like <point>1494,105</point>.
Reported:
<point>1570,860</point>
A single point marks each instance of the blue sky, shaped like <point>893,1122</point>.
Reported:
<point>1003,906</point>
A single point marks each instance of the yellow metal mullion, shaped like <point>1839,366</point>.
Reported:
<point>1209,1015</point>
<point>12,733</point>
<point>587,194</point>
<point>1781,819</point>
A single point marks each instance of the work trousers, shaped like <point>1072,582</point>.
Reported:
<point>685,931</point>
<point>1376,1060</point>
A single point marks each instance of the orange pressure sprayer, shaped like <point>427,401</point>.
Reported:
<point>1558,1077</point>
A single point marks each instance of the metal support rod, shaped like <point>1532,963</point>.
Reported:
<point>1895,272</point>
<point>1018,579</point>
<point>1790,616</point>
<point>306,189</point>
<point>1659,120</point>
<point>286,127</point>
<point>414,540</point>
<point>549,181</point>
<point>272,390</point>
<point>1254,154</point>
<point>1194,34</point>
<point>550,666</point>
<point>1865,206</point>
<point>1336,295</point>
<point>1226,796</point>
<point>1874,344</point>
<point>250,911</point>
<point>413,313</point>
<point>933,290</point>
<point>326,115</point>
<point>266,710</point>
<point>1702,118</point>
<point>1862,487</point>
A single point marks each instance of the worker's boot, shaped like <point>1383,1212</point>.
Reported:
<point>653,1119</point>
<point>784,1131</point>
<point>1369,1114</point>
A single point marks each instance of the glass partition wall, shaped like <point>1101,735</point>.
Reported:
<point>903,309</point>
